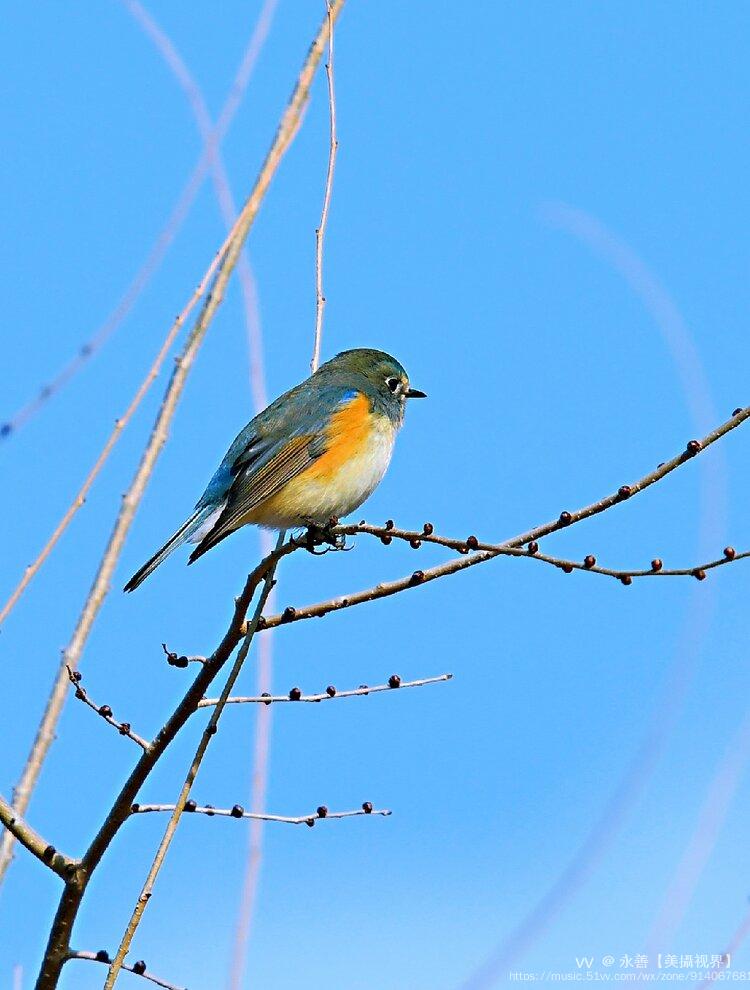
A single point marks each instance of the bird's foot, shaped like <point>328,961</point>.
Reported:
<point>323,536</point>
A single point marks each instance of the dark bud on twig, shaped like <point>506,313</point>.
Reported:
<point>415,544</point>
<point>566,568</point>
<point>589,561</point>
<point>367,807</point>
<point>124,729</point>
<point>103,956</point>
<point>417,577</point>
<point>135,808</point>
<point>656,564</point>
<point>105,711</point>
<point>237,811</point>
<point>261,622</point>
<point>472,542</point>
<point>699,573</point>
<point>190,805</point>
<point>139,968</point>
<point>310,822</point>
<point>730,553</point>
<point>75,676</point>
<point>295,694</point>
<point>693,447</point>
<point>533,547</point>
<point>624,491</point>
<point>210,810</point>
<point>737,411</point>
<point>428,529</point>
<point>626,579</point>
<point>331,691</point>
<point>363,687</point>
<point>266,695</point>
<point>80,694</point>
<point>49,854</point>
<point>322,811</point>
<point>289,613</point>
<point>389,524</point>
<point>386,539</point>
<point>565,518</point>
<point>394,681</point>
<point>211,729</point>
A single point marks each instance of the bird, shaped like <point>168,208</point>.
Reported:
<point>313,455</point>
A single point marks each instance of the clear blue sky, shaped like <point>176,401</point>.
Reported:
<point>550,384</point>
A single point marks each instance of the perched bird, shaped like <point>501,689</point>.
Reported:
<point>316,453</point>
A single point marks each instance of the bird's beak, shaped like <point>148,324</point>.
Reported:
<point>414,393</point>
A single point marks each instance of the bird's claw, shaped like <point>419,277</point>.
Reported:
<point>323,536</point>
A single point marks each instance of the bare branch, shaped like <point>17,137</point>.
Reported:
<point>46,853</point>
<point>138,968</point>
<point>320,299</point>
<point>239,812</point>
<point>179,807</point>
<point>295,695</point>
<point>104,710</point>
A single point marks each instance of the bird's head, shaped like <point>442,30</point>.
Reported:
<point>384,375</point>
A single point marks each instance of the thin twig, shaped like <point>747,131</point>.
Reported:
<point>104,710</point>
<point>239,812</point>
<point>294,696</point>
<point>46,853</point>
<point>692,448</point>
<point>320,299</point>
<point>179,807</point>
<point>138,968</point>
<point>228,256</point>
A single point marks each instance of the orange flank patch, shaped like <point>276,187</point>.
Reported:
<point>346,437</point>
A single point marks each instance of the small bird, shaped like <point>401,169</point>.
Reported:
<point>315,454</point>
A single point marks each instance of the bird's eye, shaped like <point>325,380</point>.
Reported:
<point>393,384</point>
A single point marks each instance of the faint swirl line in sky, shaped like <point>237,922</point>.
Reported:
<point>712,517</point>
<point>163,241</point>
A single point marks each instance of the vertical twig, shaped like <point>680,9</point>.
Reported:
<point>263,718</point>
<point>320,299</point>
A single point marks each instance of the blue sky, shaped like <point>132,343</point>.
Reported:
<point>479,149</point>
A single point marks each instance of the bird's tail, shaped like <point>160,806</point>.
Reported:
<point>184,533</point>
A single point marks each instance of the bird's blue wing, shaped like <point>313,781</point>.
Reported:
<point>272,449</point>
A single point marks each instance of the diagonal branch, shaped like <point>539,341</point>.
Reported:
<point>692,448</point>
<point>228,258</point>
<point>58,944</point>
<point>512,547</point>
<point>46,853</point>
